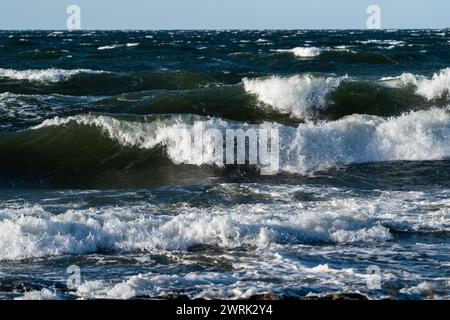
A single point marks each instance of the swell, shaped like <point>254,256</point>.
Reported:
<point>81,154</point>
<point>289,100</point>
<point>340,54</point>
<point>124,151</point>
<point>230,102</point>
<point>96,82</point>
<point>310,96</point>
<point>19,111</point>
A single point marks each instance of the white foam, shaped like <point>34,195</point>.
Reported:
<point>31,231</point>
<point>245,280</point>
<point>342,48</point>
<point>147,135</point>
<point>425,288</point>
<point>44,294</point>
<point>110,47</point>
<point>422,135</point>
<point>438,86</point>
<point>133,44</point>
<point>44,75</point>
<point>303,52</point>
<point>295,95</point>
<point>118,45</point>
<point>415,136</point>
<point>282,234</point>
<point>384,42</point>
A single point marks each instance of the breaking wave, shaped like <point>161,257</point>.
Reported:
<point>415,136</point>
<point>433,88</point>
<point>295,95</point>
<point>151,149</point>
<point>44,75</point>
<point>303,52</point>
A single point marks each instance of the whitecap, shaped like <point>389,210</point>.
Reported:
<point>303,52</point>
<point>295,95</point>
<point>44,75</point>
<point>435,87</point>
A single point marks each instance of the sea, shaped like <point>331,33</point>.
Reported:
<point>98,200</point>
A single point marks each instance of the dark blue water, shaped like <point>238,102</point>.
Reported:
<point>91,173</point>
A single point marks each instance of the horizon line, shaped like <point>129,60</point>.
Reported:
<point>228,29</point>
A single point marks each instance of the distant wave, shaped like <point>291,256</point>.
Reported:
<point>44,75</point>
<point>287,100</point>
<point>303,52</point>
<point>97,82</point>
<point>114,46</point>
<point>312,52</point>
<point>383,42</point>
<point>109,47</point>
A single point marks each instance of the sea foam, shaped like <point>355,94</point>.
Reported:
<point>303,52</point>
<point>435,87</point>
<point>312,146</point>
<point>296,95</point>
<point>275,230</point>
<point>422,135</point>
<point>44,75</point>
<point>32,231</point>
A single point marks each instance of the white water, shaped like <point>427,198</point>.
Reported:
<point>422,135</point>
<point>44,75</point>
<point>277,234</point>
<point>30,231</point>
<point>415,136</point>
<point>303,52</point>
<point>295,95</point>
<point>435,87</point>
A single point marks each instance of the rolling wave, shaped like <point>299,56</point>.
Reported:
<point>315,96</point>
<point>289,100</point>
<point>414,136</point>
<point>149,150</point>
<point>363,169</point>
<point>19,111</point>
<point>96,82</point>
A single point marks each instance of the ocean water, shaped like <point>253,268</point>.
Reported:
<point>91,174</point>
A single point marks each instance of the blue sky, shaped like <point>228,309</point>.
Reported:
<point>223,14</point>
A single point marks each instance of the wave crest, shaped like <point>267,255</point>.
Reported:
<point>416,136</point>
<point>295,95</point>
<point>44,75</point>
<point>303,52</point>
<point>435,87</point>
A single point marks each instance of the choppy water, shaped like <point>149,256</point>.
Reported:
<point>90,172</point>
